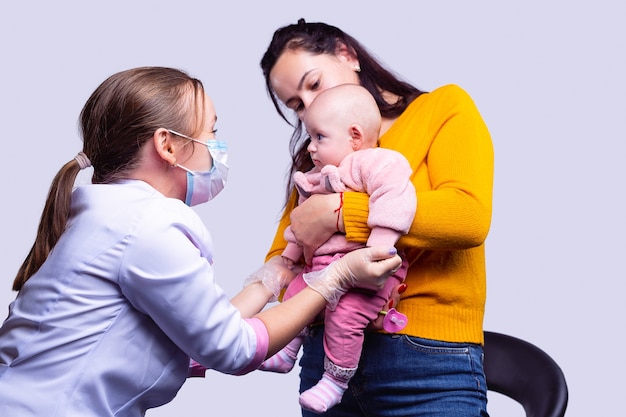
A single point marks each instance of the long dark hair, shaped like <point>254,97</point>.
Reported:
<point>119,117</point>
<point>321,38</point>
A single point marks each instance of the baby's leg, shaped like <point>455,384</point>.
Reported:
<point>328,391</point>
<point>343,342</point>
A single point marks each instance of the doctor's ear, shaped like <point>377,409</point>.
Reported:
<point>164,145</point>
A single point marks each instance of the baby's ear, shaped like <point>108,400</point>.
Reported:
<point>356,136</point>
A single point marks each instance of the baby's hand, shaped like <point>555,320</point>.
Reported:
<point>288,262</point>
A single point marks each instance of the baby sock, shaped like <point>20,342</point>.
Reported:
<point>284,360</point>
<point>325,394</point>
<point>328,391</point>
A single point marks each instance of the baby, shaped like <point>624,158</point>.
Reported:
<point>344,124</point>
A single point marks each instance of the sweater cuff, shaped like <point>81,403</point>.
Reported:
<point>355,214</point>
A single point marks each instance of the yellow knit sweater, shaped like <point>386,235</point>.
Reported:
<point>445,139</point>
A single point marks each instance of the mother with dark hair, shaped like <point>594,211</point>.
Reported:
<point>433,367</point>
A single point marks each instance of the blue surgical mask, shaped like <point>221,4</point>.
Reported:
<point>203,186</point>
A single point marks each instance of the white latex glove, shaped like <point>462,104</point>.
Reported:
<point>365,268</point>
<point>274,274</point>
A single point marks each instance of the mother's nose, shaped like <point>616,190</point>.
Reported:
<point>307,99</point>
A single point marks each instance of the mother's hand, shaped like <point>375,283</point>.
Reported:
<point>315,220</point>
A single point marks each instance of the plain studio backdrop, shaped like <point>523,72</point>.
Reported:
<point>547,76</point>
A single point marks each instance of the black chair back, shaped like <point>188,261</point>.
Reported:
<point>525,373</point>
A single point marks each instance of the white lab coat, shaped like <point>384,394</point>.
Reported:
<point>108,324</point>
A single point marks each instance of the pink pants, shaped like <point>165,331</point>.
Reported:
<point>344,327</point>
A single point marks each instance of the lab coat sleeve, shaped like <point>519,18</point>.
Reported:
<point>167,274</point>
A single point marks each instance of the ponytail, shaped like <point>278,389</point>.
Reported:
<point>53,220</point>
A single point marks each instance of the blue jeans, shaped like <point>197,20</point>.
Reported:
<point>404,376</point>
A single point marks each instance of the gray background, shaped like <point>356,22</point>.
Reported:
<point>548,77</point>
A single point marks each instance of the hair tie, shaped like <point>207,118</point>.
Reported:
<point>83,160</point>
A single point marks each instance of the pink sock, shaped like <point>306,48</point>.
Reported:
<point>324,395</point>
<point>284,360</point>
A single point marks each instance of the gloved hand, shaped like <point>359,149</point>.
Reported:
<point>365,268</point>
<point>274,274</point>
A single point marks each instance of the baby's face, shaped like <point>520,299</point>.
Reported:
<point>330,138</point>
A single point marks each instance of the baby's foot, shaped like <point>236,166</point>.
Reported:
<point>282,362</point>
<point>323,396</point>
